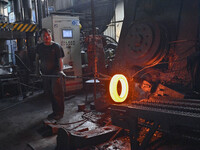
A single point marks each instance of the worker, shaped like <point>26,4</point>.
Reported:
<point>49,63</point>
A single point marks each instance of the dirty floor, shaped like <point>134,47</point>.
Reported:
<point>21,121</point>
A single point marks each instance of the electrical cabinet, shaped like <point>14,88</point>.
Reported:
<point>66,31</point>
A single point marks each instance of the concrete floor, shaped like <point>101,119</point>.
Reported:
<point>20,124</point>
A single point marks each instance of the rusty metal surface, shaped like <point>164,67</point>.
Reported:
<point>74,140</point>
<point>178,118</point>
<point>164,91</point>
<point>122,143</point>
<point>169,113</point>
<point>143,43</point>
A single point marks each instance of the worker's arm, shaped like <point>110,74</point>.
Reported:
<point>61,55</point>
<point>61,67</point>
<point>61,64</point>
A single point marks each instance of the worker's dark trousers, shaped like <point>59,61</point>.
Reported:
<point>54,88</point>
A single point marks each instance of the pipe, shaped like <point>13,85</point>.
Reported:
<point>39,7</point>
<point>2,4</point>
<point>94,47</point>
<point>1,9</point>
<point>27,11</point>
<point>36,11</point>
<point>46,8</point>
<point>18,11</point>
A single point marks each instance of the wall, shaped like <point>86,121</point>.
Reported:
<point>61,4</point>
<point>114,28</point>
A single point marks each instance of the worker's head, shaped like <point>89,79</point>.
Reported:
<point>46,36</point>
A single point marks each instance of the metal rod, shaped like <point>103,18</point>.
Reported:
<point>66,76</point>
<point>114,22</point>
<point>94,47</point>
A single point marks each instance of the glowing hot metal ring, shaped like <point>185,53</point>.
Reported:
<point>113,88</point>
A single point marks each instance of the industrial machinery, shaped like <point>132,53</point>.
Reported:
<point>66,32</point>
<point>154,38</point>
<point>21,19</point>
<point>17,41</point>
<point>158,54</point>
<point>159,46</point>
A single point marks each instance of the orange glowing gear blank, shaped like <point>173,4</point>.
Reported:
<point>113,88</point>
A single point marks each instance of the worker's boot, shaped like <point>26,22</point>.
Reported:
<point>50,116</point>
<point>55,116</point>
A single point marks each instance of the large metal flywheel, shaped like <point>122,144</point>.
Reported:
<point>145,43</point>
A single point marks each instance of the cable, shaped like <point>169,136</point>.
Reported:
<point>29,86</point>
<point>110,38</point>
<point>154,64</point>
<point>23,63</point>
<point>73,122</point>
<point>68,123</point>
<point>78,125</point>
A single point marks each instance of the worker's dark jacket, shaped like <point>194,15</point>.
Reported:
<point>49,57</point>
<point>49,65</point>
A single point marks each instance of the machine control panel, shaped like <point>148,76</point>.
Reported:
<point>68,43</point>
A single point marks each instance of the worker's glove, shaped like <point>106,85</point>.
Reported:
<point>38,73</point>
<point>62,74</point>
